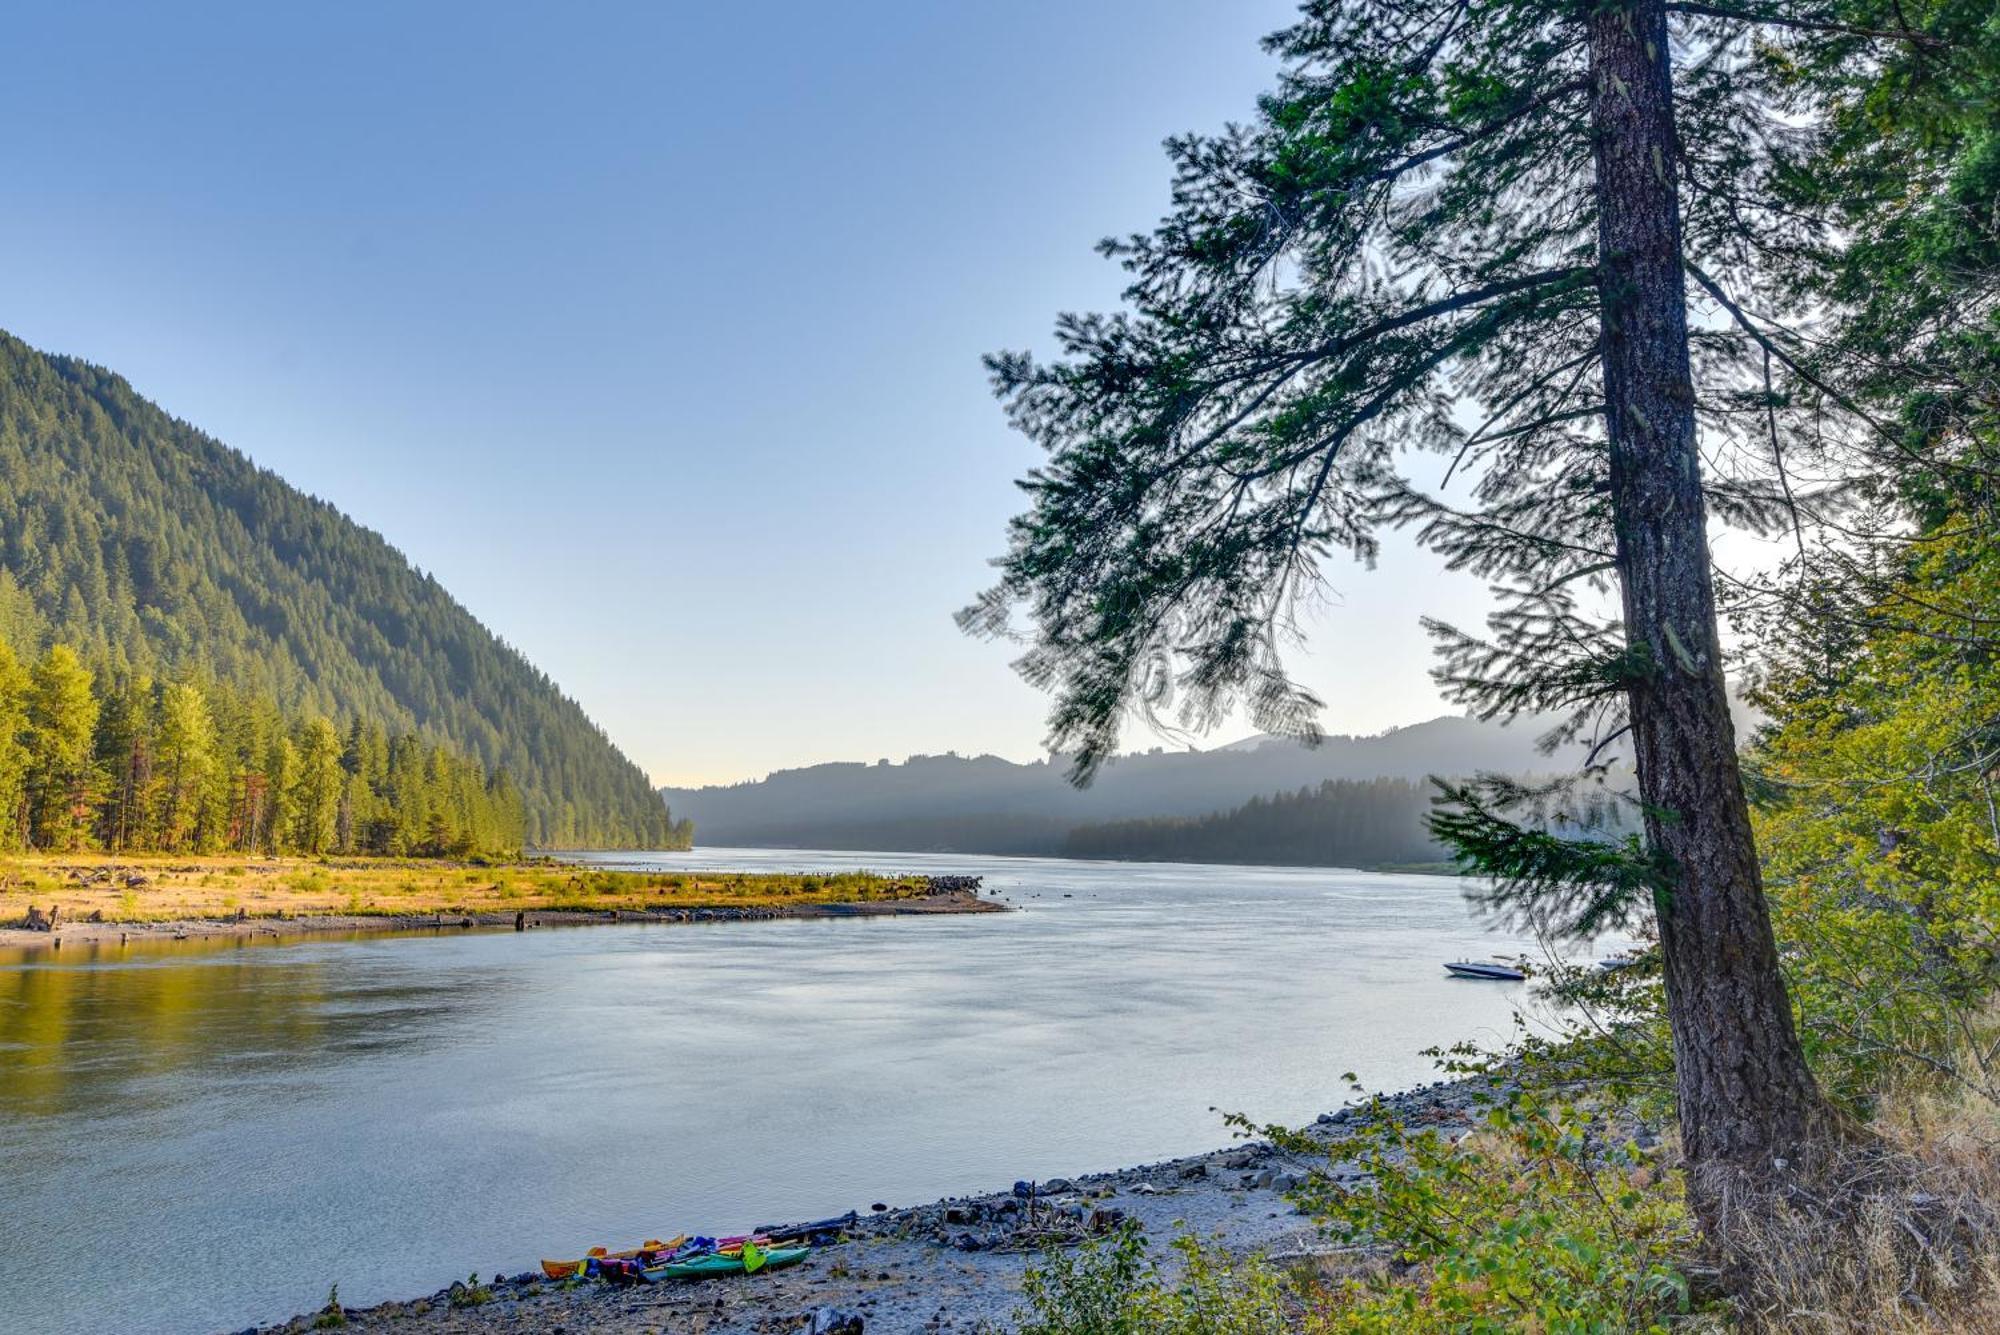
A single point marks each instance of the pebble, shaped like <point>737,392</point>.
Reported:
<point>833,1321</point>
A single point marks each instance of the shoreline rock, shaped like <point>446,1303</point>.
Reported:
<point>946,1266</point>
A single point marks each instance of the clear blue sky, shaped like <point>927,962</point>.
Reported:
<point>653,330</point>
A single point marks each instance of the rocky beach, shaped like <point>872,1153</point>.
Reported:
<point>953,1265</point>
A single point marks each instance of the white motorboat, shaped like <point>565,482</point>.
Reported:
<point>1499,971</point>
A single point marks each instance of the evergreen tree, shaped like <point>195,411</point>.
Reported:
<point>198,767</point>
<point>14,753</point>
<point>125,757</point>
<point>186,763</point>
<point>280,781</point>
<point>61,722</point>
<point>1467,229</point>
<point>316,790</point>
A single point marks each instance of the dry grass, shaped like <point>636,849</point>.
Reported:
<point>1898,1236</point>
<point>167,889</point>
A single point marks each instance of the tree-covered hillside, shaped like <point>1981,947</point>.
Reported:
<point>1341,823</point>
<point>153,548</point>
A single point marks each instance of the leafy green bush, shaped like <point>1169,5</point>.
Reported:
<point>1533,1222</point>
<point>471,1293</point>
<point>1112,1286</point>
<point>332,1316</point>
<point>1880,834</point>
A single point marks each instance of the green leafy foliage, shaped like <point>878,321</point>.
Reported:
<point>155,551</point>
<point>332,1316</point>
<point>1534,1222</point>
<point>471,1293</point>
<point>1113,1286</point>
<point>1880,824</point>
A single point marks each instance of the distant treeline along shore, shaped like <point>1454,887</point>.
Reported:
<point>190,767</point>
<point>1342,822</point>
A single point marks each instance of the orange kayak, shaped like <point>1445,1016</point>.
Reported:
<point>570,1269</point>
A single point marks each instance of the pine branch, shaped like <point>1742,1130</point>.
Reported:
<point>1801,23</point>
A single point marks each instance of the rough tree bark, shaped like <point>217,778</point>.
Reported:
<point>1746,1096</point>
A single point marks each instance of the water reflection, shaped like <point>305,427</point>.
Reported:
<point>110,1030</point>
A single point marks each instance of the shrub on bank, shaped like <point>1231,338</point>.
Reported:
<point>1112,1286</point>
<point>1562,1213</point>
<point>1544,1218</point>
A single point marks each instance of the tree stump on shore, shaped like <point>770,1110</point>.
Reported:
<point>38,921</point>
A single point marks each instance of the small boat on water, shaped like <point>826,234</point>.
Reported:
<point>1499,971</point>
<point>1613,963</point>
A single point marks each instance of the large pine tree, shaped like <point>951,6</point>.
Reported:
<point>1469,229</point>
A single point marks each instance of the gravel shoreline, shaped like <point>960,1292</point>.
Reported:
<point>87,932</point>
<point>928,1269</point>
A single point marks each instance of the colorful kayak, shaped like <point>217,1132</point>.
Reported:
<point>716,1263</point>
<point>644,1251</point>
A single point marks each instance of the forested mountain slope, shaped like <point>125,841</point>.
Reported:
<point>152,548</point>
<point>1340,823</point>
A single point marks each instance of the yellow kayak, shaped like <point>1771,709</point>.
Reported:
<point>571,1269</point>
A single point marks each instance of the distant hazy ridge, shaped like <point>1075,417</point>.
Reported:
<point>985,804</point>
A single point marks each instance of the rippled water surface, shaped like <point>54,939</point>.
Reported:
<point>202,1135</point>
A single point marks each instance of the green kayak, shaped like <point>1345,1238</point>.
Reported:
<point>702,1267</point>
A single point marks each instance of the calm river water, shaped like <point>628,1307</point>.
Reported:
<point>198,1136</point>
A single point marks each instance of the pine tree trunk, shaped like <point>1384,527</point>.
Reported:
<point>1746,1097</point>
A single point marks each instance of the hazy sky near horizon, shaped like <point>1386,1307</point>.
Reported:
<point>653,331</point>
